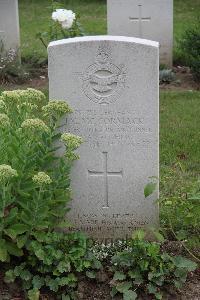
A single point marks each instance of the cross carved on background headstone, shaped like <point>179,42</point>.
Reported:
<point>140,19</point>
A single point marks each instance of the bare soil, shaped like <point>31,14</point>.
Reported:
<point>184,81</point>
<point>98,290</point>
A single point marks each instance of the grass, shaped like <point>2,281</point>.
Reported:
<point>179,140</point>
<point>179,130</point>
<point>35,16</point>
<point>180,164</point>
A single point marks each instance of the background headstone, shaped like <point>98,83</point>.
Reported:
<point>9,24</point>
<point>2,39</point>
<point>112,85</point>
<point>148,19</point>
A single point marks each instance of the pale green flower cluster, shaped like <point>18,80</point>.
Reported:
<point>42,179</point>
<point>18,97</point>
<point>35,126</point>
<point>56,108</point>
<point>7,173</point>
<point>4,121</point>
<point>71,156</point>
<point>11,97</point>
<point>71,141</point>
<point>33,96</point>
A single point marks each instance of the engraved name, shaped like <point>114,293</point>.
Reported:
<point>110,128</point>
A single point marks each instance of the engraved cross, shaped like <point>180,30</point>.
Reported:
<point>140,19</point>
<point>105,174</point>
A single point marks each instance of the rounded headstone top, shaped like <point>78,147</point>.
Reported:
<point>105,38</point>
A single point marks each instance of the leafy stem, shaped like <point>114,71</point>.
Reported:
<point>35,211</point>
<point>3,209</point>
<point>43,42</point>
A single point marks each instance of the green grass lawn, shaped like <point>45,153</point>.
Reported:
<point>179,140</point>
<point>180,164</point>
<point>35,16</point>
<point>180,134</point>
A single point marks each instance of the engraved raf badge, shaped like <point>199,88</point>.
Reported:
<point>103,81</point>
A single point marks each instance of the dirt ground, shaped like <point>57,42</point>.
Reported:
<point>184,81</point>
<point>100,290</point>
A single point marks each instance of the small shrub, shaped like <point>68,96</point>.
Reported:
<point>166,76</point>
<point>190,48</point>
<point>54,262</point>
<point>10,67</point>
<point>144,267</point>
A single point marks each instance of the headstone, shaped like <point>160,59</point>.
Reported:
<point>9,24</point>
<point>148,19</point>
<point>112,85</point>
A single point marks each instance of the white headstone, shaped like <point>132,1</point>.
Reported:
<point>2,40</point>
<point>148,19</point>
<point>112,85</point>
<point>9,24</point>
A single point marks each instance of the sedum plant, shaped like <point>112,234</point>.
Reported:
<point>35,190</point>
<point>35,185</point>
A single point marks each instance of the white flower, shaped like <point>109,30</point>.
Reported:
<point>67,24</point>
<point>64,17</point>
